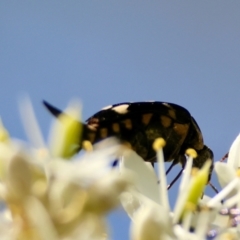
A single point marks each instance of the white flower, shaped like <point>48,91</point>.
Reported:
<point>43,196</point>
<point>148,206</point>
<point>50,198</point>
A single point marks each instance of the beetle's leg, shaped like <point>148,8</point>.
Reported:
<point>224,157</point>
<point>175,179</point>
<point>213,187</point>
<point>171,166</point>
<point>180,159</point>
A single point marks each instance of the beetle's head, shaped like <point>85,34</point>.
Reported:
<point>204,155</point>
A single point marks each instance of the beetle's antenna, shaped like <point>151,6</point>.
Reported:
<point>213,187</point>
<point>53,110</point>
<point>224,157</point>
<point>175,179</point>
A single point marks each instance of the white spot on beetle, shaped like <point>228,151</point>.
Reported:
<point>107,107</point>
<point>121,109</point>
<point>166,104</point>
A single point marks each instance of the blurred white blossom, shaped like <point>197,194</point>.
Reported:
<point>45,197</point>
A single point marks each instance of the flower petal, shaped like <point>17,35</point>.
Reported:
<point>146,179</point>
<point>131,203</point>
<point>40,219</point>
<point>107,191</point>
<point>225,173</point>
<point>222,194</point>
<point>30,124</point>
<point>19,177</point>
<point>234,153</point>
<point>4,136</point>
<point>151,223</point>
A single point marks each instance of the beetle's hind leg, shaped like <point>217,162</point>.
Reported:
<point>175,179</point>
<point>171,166</point>
<point>180,159</point>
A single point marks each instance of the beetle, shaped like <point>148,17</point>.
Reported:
<point>140,123</point>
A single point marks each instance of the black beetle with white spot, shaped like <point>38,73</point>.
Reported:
<point>138,124</point>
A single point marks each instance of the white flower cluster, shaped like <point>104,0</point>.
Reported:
<point>45,197</point>
<point>194,217</point>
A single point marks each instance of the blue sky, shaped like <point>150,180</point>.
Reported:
<point>105,52</point>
